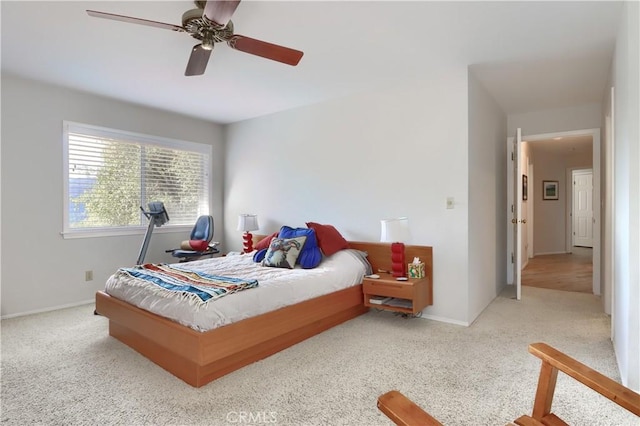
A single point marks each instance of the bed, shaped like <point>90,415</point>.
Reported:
<point>198,357</point>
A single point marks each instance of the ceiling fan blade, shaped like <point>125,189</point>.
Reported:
<point>266,50</point>
<point>132,20</point>
<point>220,11</point>
<point>198,60</point>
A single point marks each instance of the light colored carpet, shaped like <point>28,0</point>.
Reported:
<point>62,368</point>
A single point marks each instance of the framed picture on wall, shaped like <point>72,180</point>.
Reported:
<point>550,190</point>
<point>525,184</point>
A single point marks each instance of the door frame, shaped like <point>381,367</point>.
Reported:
<point>609,213</point>
<point>595,146</point>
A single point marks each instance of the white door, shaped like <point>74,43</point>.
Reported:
<point>583,208</point>
<point>514,203</point>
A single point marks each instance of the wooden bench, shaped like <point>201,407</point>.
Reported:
<point>402,411</point>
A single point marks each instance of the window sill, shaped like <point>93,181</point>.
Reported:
<point>101,233</point>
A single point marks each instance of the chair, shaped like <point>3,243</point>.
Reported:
<point>402,411</point>
<point>199,243</point>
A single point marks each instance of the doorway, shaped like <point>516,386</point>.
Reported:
<point>557,263</point>
<point>564,246</point>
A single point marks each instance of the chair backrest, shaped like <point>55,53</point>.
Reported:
<point>404,412</point>
<point>203,229</point>
<point>554,361</point>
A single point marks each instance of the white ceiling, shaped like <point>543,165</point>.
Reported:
<point>529,55</point>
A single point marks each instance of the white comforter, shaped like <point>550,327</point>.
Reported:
<point>277,287</point>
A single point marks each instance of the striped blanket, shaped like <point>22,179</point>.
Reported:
<point>188,282</point>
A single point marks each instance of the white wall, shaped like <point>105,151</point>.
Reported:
<point>626,240</point>
<point>356,160</point>
<point>556,120</point>
<point>487,198</point>
<point>40,269</point>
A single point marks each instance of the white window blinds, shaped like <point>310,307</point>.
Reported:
<point>111,173</point>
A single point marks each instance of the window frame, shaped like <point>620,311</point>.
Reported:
<point>159,141</point>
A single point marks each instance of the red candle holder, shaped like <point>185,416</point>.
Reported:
<point>398,265</point>
<point>247,242</point>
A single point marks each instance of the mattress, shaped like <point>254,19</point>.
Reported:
<point>277,288</point>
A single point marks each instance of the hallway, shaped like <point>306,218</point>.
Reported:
<point>567,272</point>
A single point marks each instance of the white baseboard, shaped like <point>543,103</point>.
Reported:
<point>54,308</point>
<point>446,320</point>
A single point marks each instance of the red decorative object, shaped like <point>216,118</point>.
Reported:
<point>247,223</point>
<point>247,242</point>
<point>398,264</point>
<point>198,245</point>
<point>396,232</point>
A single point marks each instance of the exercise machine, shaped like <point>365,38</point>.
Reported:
<point>157,216</point>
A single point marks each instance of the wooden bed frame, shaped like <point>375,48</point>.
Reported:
<point>200,357</point>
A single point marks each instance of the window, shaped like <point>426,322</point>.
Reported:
<point>110,174</point>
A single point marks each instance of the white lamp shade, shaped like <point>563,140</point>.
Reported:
<point>248,222</point>
<point>394,230</point>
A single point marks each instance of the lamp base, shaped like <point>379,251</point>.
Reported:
<point>247,242</point>
<point>398,264</point>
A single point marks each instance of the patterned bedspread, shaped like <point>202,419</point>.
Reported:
<point>279,287</point>
<point>196,285</point>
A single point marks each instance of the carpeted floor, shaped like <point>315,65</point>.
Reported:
<point>62,368</point>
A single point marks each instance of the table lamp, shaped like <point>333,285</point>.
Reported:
<point>396,232</point>
<point>246,224</point>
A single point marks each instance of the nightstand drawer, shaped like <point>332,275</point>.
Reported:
<point>380,288</point>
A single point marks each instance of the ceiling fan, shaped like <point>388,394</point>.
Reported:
<point>210,23</point>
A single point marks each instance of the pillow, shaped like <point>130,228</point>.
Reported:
<point>283,252</point>
<point>310,256</point>
<point>199,245</point>
<point>265,242</point>
<point>259,255</point>
<point>329,239</point>
<point>362,256</point>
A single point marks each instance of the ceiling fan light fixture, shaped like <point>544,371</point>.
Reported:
<point>207,44</point>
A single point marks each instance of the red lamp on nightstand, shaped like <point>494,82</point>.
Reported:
<point>247,223</point>
<point>396,232</point>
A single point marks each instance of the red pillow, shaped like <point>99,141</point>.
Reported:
<point>329,239</point>
<point>265,242</point>
<point>199,245</point>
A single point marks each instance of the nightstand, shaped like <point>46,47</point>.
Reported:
<point>413,295</point>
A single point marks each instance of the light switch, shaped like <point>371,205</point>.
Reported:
<point>450,202</point>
